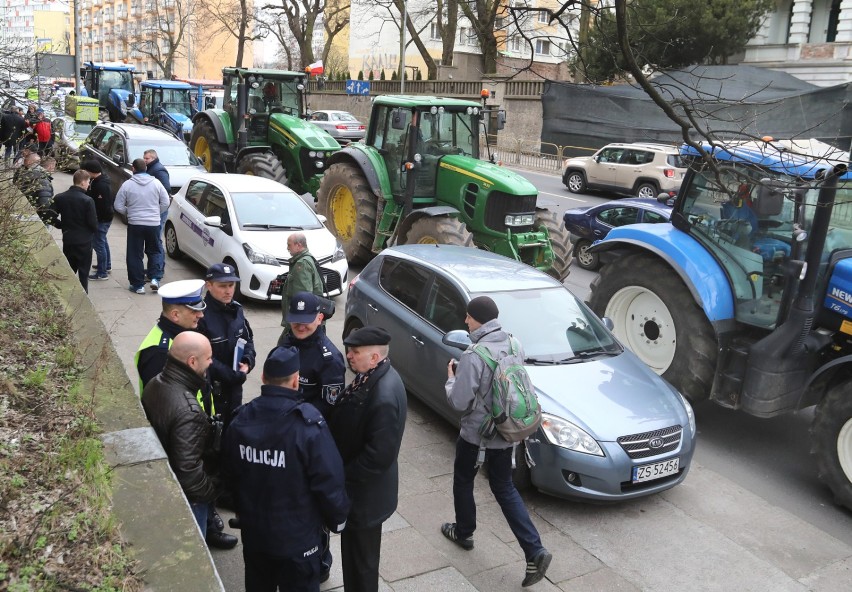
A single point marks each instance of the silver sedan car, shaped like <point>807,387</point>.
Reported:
<point>612,429</point>
<point>341,125</point>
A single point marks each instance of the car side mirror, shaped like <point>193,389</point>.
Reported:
<point>501,119</point>
<point>119,159</point>
<point>214,221</point>
<point>457,338</point>
<point>322,218</point>
<point>663,197</point>
<point>596,158</point>
<point>607,322</point>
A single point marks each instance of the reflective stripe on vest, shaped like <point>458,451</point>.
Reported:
<point>156,338</point>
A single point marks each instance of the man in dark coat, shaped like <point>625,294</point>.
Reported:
<point>181,423</point>
<point>225,325</point>
<point>288,481</point>
<point>367,423</point>
<point>36,184</point>
<point>100,190</point>
<point>13,125</point>
<point>159,172</point>
<point>74,213</point>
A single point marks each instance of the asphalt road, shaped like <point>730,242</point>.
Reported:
<point>768,457</point>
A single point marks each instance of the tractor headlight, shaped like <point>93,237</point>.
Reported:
<point>561,432</point>
<point>319,164</point>
<point>339,253</point>
<point>312,154</point>
<point>259,257</point>
<point>520,219</point>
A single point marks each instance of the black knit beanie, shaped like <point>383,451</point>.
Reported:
<point>482,309</point>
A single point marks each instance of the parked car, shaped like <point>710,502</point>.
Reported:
<point>612,429</point>
<point>117,145</point>
<point>341,125</point>
<point>590,223</point>
<point>245,220</point>
<point>643,170</point>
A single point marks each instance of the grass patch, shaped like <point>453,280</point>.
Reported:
<point>56,527</point>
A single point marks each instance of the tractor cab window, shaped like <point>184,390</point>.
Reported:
<point>110,79</point>
<point>274,95</point>
<point>176,100</point>
<point>749,236</point>
<point>391,141</point>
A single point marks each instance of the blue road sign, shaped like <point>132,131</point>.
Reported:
<point>357,87</point>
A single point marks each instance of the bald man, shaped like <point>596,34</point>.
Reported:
<point>170,402</point>
<point>303,276</point>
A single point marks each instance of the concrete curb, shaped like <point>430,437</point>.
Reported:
<point>153,514</point>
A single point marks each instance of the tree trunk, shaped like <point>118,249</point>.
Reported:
<point>448,33</point>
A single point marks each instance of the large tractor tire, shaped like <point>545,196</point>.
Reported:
<point>559,242</point>
<point>657,318</point>
<point>440,230</point>
<point>831,442</point>
<point>206,147</point>
<point>263,164</point>
<point>345,199</point>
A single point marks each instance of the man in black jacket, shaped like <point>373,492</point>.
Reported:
<point>74,213</point>
<point>159,172</point>
<point>367,422</point>
<point>225,325</point>
<point>181,423</point>
<point>288,481</point>
<point>100,191</point>
<point>13,127</point>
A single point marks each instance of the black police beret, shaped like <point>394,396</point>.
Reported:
<point>367,336</point>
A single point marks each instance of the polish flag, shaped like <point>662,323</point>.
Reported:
<point>315,68</point>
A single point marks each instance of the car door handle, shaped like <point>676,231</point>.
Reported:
<point>597,233</point>
<point>373,307</point>
<point>417,340</point>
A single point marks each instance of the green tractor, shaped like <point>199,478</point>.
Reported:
<point>418,178</point>
<point>261,130</point>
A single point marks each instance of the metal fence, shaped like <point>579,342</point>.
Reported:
<point>528,154</point>
<point>439,88</point>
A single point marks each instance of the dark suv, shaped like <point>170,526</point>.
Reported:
<point>643,170</point>
<point>116,145</point>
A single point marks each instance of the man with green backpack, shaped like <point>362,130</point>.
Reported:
<point>500,409</point>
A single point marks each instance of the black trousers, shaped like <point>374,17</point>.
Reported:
<point>361,549</point>
<point>270,573</point>
<point>80,259</point>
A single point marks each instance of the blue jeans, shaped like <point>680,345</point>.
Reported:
<point>162,268</point>
<point>200,511</point>
<point>500,480</point>
<point>101,247</point>
<point>143,241</point>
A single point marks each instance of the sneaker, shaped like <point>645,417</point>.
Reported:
<point>448,529</point>
<point>536,568</point>
<point>97,278</point>
<point>155,285</point>
<point>139,290</point>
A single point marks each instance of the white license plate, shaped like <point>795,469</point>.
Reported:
<point>656,470</point>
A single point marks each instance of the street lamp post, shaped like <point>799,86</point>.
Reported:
<point>402,48</point>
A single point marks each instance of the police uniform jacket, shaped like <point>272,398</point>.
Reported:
<point>322,371</point>
<point>286,474</point>
<point>151,360</point>
<point>223,325</point>
<point>367,427</point>
<point>169,400</point>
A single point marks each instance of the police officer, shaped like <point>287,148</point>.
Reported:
<point>225,325</point>
<point>322,371</point>
<point>288,480</point>
<point>183,307</point>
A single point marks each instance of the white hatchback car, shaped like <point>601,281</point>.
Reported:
<point>244,220</point>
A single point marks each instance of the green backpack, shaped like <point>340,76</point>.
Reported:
<point>515,412</point>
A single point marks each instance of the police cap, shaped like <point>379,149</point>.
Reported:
<point>186,292</point>
<point>281,363</point>
<point>221,272</point>
<point>304,308</point>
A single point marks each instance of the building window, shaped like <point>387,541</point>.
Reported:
<point>434,33</point>
<point>515,43</point>
<point>542,47</point>
<point>544,17</point>
<point>498,23</point>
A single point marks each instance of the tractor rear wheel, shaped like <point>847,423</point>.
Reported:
<point>345,199</point>
<point>263,164</point>
<point>559,242</point>
<point>206,147</point>
<point>831,438</point>
<point>657,318</point>
<point>439,231</point>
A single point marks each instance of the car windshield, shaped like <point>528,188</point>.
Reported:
<point>343,117</point>
<point>552,325</point>
<point>170,153</point>
<point>78,128</point>
<point>273,211</point>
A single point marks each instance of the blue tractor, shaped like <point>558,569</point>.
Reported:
<point>112,84</point>
<point>745,299</point>
<point>167,104</point>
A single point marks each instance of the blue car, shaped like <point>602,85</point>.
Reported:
<point>612,429</point>
<point>591,223</point>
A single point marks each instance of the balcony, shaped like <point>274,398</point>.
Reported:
<point>107,17</point>
<point>96,20</point>
<point>121,14</point>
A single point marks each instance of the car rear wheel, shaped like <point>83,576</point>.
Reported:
<point>172,248</point>
<point>576,182</point>
<point>647,191</point>
<point>586,260</point>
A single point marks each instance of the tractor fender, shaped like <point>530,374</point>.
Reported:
<point>252,150</point>
<point>701,273</point>
<point>823,379</point>
<point>369,163</point>
<point>430,212</point>
<point>221,122</point>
